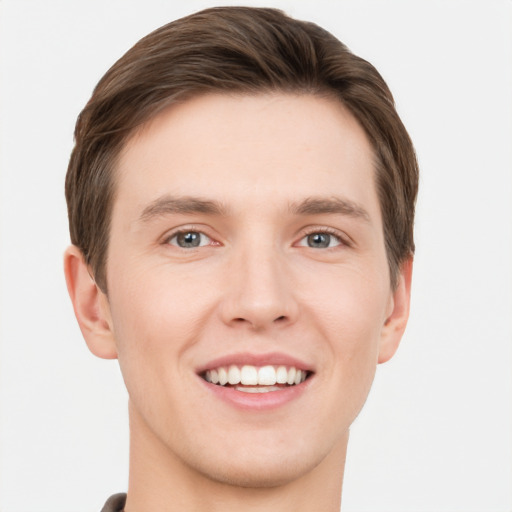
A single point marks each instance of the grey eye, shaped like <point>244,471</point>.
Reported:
<point>189,239</point>
<point>320,240</point>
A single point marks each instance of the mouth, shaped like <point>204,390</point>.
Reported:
<point>256,379</point>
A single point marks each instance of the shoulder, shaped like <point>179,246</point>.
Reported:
<point>115,503</point>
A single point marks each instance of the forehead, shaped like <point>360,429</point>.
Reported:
<point>263,148</point>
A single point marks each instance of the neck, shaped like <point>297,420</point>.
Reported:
<point>159,480</point>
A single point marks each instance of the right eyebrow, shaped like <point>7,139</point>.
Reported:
<point>327,205</point>
<point>167,204</point>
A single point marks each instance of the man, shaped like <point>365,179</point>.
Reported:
<point>241,204</point>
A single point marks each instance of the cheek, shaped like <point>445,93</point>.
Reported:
<point>350,309</point>
<point>156,318</point>
<point>360,330</point>
<point>156,301</point>
<point>351,320</point>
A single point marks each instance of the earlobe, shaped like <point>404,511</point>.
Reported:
<point>396,322</point>
<point>90,305</point>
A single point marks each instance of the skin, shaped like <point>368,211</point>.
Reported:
<point>254,285</point>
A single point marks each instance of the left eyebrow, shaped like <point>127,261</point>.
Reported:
<point>167,205</point>
<point>336,205</point>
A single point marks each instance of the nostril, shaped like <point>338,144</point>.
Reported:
<point>258,322</point>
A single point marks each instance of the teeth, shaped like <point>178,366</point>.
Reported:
<point>281,375</point>
<point>223,376</point>
<point>233,375</point>
<point>266,376</point>
<point>249,375</point>
<point>266,389</point>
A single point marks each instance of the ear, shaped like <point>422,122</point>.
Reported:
<point>92,309</point>
<point>396,321</point>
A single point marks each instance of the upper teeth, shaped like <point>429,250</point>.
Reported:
<point>248,375</point>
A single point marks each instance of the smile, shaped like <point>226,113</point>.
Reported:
<point>254,379</point>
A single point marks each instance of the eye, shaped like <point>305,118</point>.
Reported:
<point>320,240</point>
<point>189,239</point>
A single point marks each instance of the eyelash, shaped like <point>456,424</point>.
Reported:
<point>183,231</point>
<point>310,231</point>
<point>326,231</point>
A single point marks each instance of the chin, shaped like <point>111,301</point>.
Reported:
<point>257,476</point>
<point>250,469</point>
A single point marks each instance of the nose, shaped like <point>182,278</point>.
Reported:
<point>259,292</point>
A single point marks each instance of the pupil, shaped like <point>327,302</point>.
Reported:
<point>191,239</point>
<point>319,240</point>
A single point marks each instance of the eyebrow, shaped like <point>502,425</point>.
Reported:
<point>166,205</point>
<point>330,205</point>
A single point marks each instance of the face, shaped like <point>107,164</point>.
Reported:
<point>246,243</point>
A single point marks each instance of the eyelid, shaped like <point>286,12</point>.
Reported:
<point>176,236</point>
<point>343,238</point>
<point>169,235</point>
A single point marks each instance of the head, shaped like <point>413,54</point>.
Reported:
<point>241,193</point>
<point>233,50</point>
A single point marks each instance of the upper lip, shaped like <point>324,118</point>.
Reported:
<point>271,358</point>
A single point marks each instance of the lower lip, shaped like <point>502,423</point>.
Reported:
<point>258,401</point>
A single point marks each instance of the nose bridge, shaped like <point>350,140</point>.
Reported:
<point>260,292</point>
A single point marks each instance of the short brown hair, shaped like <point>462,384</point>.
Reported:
<point>233,49</point>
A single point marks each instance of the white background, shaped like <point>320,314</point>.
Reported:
<point>436,432</point>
